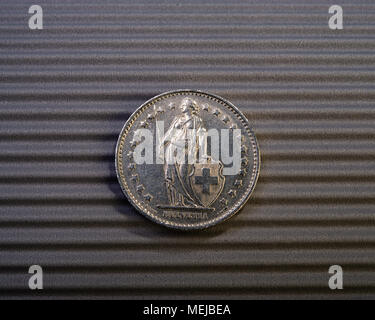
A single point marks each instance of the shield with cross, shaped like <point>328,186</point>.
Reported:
<point>207,181</point>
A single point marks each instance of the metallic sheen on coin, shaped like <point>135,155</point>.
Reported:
<point>187,159</point>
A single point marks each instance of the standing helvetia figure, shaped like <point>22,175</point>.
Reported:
<point>186,149</point>
<point>199,171</point>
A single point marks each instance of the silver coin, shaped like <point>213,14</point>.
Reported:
<point>187,159</point>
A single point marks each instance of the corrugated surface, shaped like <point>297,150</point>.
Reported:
<point>66,91</point>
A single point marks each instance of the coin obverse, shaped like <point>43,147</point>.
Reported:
<point>187,159</point>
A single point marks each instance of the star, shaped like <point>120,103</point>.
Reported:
<point>140,188</point>
<point>224,202</point>
<point>216,113</point>
<point>150,116</point>
<point>232,193</point>
<point>130,154</point>
<point>131,166</point>
<point>244,149</point>
<point>143,124</point>
<point>238,183</point>
<point>171,106</point>
<point>244,161</point>
<point>233,126</point>
<point>159,110</point>
<point>205,107</point>
<point>225,119</point>
<point>243,171</point>
<point>147,197</point>
<point>134,178</point>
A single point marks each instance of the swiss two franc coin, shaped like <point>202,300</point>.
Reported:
<point>187,159</point>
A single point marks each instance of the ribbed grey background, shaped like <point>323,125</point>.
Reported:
<point>66,91</point>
